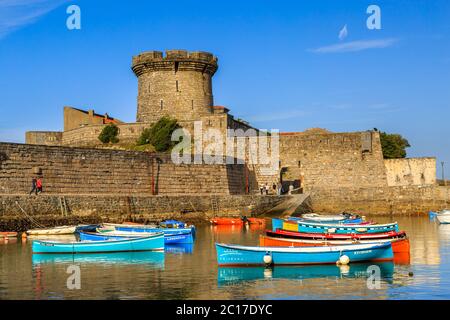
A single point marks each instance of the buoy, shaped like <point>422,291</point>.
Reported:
<point>343,260</point>
<point>267,259</point>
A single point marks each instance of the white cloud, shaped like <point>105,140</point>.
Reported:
<point>15,14</point>
<point>355,46</point>
<point>343,33</point>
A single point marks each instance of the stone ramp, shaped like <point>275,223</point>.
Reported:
<point>294,205</point>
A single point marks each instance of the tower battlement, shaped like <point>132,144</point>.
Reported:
<point>177,84</point>
<point>182,60</point>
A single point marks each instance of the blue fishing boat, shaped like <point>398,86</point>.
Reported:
<point>180,237</point>
<point>311,227</point>
<point>235,255</point>
<point>432,215</point>
<point>174,232</point>
<point>151,243</point>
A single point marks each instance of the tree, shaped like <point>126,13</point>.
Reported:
<point>160,134</point>
<point>109,134</point>
<point>393,145</point>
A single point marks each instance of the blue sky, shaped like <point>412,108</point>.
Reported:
<point>281,63</point>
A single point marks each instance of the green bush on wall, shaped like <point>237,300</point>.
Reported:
<point>393,145</point>
<point>159,135</point>
<point>109,134</point>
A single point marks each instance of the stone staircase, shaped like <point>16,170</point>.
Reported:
<point>294,205</point>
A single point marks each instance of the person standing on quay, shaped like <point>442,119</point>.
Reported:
<point>34,186</point>
<point>266,188</point>
<point>39,185</point>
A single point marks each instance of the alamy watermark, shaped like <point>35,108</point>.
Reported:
<point>73,21</point>
<point>74,280</point>
<point>374,20</point>
<point>230,146</point>
<point>374,277</point>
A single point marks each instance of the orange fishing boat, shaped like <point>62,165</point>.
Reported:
<point>236,221</point>
<point>8,234</point>
<point>399,245</point>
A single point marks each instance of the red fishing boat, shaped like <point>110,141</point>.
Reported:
<point>399,244</point>
<point>237,221</point>
<point>327,236</point>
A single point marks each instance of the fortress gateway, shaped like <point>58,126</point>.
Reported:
<point>341,171</point>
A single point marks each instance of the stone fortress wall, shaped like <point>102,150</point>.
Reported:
<point>96,171</point>
<point>411,171</point>
<point>179,84</point>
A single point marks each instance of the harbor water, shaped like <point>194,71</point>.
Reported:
<point>191,272</point>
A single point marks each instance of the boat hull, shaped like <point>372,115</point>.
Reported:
<point>322,236</point>
<point>52,231</point>
<point>8,234</point>
<point>169,238</point>
<point>152,243</point>
<point>443,218</point>
<point>167,231</point>
<point>236,221</point>
<point>398,245</point>
<point>233,255</point>
<point>308,227</point>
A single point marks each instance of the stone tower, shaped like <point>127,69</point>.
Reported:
<point>178,84</point>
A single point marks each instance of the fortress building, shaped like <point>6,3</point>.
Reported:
<point>179,84</point>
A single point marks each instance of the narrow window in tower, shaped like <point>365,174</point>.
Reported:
<point>176,84</point>
<point>192,104</point>
<point>176,66</point>
<point>162,104</point>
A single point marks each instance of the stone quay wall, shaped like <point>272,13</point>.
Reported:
<point>331,160</point>
<point>22,212</point>
<point>98,171</point>
<point>404,200</point>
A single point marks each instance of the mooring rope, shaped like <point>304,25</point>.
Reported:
<point>33,222</point>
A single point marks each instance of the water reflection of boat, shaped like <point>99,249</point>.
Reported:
<point>227,275</point>
<point>150,258</point>
<point>235,229</point>
<point>179,248</point>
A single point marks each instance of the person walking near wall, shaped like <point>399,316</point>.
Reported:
<point>279,188</point>
<point>266,188</point>
<point>39,185</point>
<point>34,186</point>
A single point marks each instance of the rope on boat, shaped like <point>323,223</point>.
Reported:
<point>33,222</point>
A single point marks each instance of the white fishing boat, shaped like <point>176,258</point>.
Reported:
<point>443,217</point>
<point>52,231</point>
